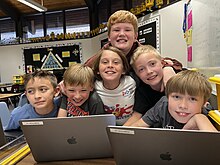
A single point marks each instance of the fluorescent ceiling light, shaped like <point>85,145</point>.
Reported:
<point>34,5</point>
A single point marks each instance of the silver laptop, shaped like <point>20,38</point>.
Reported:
<point>141,146</point>
<point>69,138</point>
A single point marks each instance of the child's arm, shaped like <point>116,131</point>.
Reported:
<point>12,124</point>
<point>140,123</point>
<point>134,117</point>
<point>62,113</point>
<point>200,122</point>
<point>168,72</point>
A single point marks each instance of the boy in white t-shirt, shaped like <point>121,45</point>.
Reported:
<point>114,87</point>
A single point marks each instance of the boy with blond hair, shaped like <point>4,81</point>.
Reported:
<point>148,65</point>
<point>80,98</point>
<point>181,108</point>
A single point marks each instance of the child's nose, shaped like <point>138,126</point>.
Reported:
<point>148,70</point>
<point>110,64</point>
<point>77,95</point>
<point>37,94</point>
<point>121,32</point>
<point>183,103</point>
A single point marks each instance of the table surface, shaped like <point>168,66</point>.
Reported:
<point>106,161</point>
<point>8,95</point>
<point>28,159</point>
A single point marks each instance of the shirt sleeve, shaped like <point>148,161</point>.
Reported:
<point>14,120</point>
<point>63,103</point>
<point>96,105</point>
<point>145,98</point>
<point>155,116</point>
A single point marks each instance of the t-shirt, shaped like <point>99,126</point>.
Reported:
<point>92,106</point>
<point>159,116</point>
<point>145,97</point>
<point>119,101</point>
<point>27,111</point>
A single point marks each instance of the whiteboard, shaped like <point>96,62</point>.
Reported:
<point>206,33</point>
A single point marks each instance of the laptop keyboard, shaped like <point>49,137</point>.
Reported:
<point>9,138</point>
<point>13,141</point>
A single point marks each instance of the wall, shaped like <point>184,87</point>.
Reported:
<point>11,62</point>
<point>206,33</point>
<point>172,43</point>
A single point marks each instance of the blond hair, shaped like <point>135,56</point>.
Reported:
<point>189,82</point>
<point>78,74</point>
<point>147,49</point>
<point>115,50</point>
<point>122,16</point>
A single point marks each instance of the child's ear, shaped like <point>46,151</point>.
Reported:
<point>109,40</point>
<point>57,91</point>
<point>136,36</point>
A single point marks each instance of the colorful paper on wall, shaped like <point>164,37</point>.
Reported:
<point>65,54</point>
<point>70,63</point>
<point>36,57</point>
<point>189,51</point>
<point>189,20</point>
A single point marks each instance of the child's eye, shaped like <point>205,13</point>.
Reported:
<point>43,89</point>
<point>176,96</point>
<point>104,61</point>
<point>193,99</point>
<point>116,62</point>
<point>115,30</point>
<point>30,91</point>
<point>140,70</point>
<point>153,63</point>
<point>128,30</point>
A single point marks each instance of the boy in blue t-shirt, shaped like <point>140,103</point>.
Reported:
<point>40,89</point>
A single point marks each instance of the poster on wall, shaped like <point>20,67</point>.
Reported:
<point>187,29</point>
<point>149,31</point>
<point>55,57</point>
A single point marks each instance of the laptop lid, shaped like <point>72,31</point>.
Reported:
<point>143,146</point>
<point>68,138</point>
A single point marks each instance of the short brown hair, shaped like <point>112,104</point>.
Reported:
<point>40,74</point>
<point>78,74</point>
<point>122,16</point>
<point>191,82</point>
<point>113,49</point>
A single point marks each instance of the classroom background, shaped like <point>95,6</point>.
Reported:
<point>170,36</point>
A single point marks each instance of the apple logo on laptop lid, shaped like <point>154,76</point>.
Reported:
<point>166,156</point>
<point>72,140</point>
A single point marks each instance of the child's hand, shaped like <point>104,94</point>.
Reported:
<point>199,122</point>
<point>191,124</point>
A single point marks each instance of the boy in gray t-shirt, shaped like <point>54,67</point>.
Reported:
<point>186,95</point>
